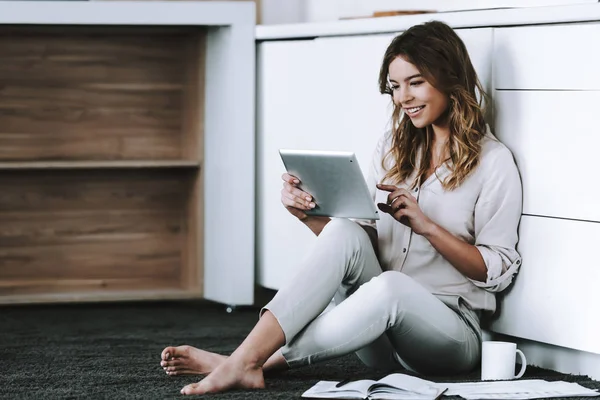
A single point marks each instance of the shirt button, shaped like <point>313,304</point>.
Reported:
<point>404,250</point>
<point>416,189</point>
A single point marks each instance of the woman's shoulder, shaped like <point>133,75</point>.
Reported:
<point>384,144</point>
<point>385,140</point>
<point>493,151</point>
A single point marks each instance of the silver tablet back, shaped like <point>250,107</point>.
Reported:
<point>335,181</point>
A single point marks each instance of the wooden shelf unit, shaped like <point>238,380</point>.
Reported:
<point>16,165</point>
<point>101,146</point>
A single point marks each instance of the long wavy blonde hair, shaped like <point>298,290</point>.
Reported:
<point>442,58</point>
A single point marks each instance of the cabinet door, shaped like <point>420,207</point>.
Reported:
<point>554,138</point>
<point>313,94</point>
<point>554,297</point>
<point>287,79</point>
<point>565,57</point>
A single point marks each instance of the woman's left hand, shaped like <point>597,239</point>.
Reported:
<point>404,208</point>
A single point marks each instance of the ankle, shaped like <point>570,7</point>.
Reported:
<point>249,360</point>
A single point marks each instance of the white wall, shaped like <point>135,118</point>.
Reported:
<point>282,11</point>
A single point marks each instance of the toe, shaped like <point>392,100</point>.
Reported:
<point>171,363</point>
<point>175,352</point>
<point>167,353</point>
<point>190,389</point>
<point>181,372</point>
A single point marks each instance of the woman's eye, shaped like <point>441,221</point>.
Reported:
<point>394,87</point>
<point>415,83</point>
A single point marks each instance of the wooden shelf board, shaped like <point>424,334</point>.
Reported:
<point>12,165</point>
<point>128,295</point>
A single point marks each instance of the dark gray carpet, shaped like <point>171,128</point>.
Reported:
<point>112,351</point>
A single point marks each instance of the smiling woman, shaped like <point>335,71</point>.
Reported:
<point>429,74</point>
<point>409,288</point>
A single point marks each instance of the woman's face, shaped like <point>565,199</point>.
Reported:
<point>421,102</point>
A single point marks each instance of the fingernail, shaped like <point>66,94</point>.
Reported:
<point>296,181</point>
<point>312,205</point>
<point>308,198</point>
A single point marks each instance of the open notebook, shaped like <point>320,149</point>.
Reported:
<point>393,386</point>
<point>406,387</point>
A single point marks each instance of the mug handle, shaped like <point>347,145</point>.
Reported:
<point>523,364</point>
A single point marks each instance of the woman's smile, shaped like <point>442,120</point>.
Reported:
<point>413,111</point>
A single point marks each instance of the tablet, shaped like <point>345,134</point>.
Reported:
<point>335,181</point>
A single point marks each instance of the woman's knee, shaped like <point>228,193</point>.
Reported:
<point>391,286</point>
<point>345,231</point>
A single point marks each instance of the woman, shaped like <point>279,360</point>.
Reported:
<point>410,289</point>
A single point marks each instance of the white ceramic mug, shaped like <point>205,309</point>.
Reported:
<point>498,361</point>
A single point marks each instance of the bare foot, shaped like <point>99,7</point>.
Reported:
<point>188,360</point>
<point>232,374</point>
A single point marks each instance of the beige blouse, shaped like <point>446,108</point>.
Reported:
<point>484,210</point>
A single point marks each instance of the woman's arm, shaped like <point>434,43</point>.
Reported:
<point>463,256</point>
<point>496,219</point>
<point>297,202</point>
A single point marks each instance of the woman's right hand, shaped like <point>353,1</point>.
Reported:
<point>295,200</point>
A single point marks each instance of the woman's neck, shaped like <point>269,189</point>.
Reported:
<point>439,150</point>
<point>441,134</point>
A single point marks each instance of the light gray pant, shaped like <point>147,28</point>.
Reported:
<point>387,318</point>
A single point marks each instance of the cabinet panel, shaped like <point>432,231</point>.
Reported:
<point>315,94</point>
<point>78,94</point>
<point>287,91</point>
<point>547,57</point>
<point>83,234</point>
<point>556,286</point>
<point>554,138</point>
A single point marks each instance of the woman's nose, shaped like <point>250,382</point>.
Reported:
<point>403,96</point>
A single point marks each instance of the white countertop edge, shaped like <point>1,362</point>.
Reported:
<point>456,19</point>
<point>127,13</point>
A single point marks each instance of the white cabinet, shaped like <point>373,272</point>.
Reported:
<point>547,57</point>
<point>317,94</point>
<point>321,94</point>
<point>287,90</point>
<point>554,136</point>
<point>554,298</point>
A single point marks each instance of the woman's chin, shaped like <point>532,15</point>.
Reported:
<point>419,123</point>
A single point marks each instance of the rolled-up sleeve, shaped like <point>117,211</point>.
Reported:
<point>496,221</point>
